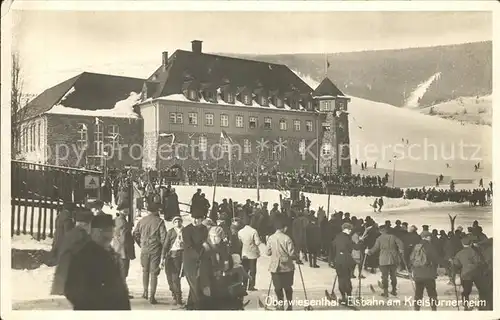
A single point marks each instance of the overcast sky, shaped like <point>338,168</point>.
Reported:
<point>54,46</point>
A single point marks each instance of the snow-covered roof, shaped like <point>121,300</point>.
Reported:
<point>220,102</point>
<point>122,109</point>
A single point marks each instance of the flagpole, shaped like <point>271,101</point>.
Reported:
<point>230,166</point>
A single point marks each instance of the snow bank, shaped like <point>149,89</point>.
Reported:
<point>31,284</point>
<point>27,242</point>
<point>122,109</point>
<point>339,203</point>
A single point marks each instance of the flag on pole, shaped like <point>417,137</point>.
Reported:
<point>223,135</point>
<point>327,63</point>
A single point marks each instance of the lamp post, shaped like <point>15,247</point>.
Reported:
<point>393,170</point>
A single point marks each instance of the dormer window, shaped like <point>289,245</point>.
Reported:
<point>325,106</point>
<point>246,99</point>
<point>264,101</point>
<point>279,102</point>
<point>192,95</point>
<point>309,105</point>
<point>230,97</point>
<point>211,96</point>
<point>342,106</point>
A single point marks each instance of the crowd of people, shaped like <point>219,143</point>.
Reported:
<point>335,184</point>
<point>218,252</point>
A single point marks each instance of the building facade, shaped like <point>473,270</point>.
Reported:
<point>195,110</point>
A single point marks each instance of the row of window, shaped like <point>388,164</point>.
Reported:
<point>274,153</point>
<point>178,118</point>
<point>245,98</point>
<point>112,139</point>
<point>30,137</point>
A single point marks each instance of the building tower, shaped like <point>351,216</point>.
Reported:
<point>334,137</point>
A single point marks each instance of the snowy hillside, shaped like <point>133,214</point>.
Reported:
<point>432,141</point>
<point>474,110</point>
<point>377,131</point>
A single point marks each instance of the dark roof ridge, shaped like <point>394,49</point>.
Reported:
<point>233,58</point>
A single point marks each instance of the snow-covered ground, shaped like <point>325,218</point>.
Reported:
<point>32,287</point>
<point>474,110</point>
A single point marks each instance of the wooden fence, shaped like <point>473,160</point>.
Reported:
<point>38,193</point>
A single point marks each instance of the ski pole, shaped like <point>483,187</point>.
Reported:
<point>359,277</point>
<point>309,307</point>
<point>409,274</point>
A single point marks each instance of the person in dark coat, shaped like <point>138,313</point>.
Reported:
<point>106,193</point>
<point>214,214</point>
<point>235,245</point>
<point>485,251</point>
<point>72,242</point>
<point>341,259</point>
<point>313,241</point>
<point>425,275</point>
<point>299,225</point>
<point>410,241</point>
<point>390,250</point>
<point>204,205</point>
<point>123,196</point>
<point>195,202</point>
<point>471,265</point>
<point>150,234</point>
<point>95,281</point>
<point>123,242</point>
<point>63,224</point>
<point>369,237</point>
<point>172,251</point>
<point>172,205</point>
<point>194,236</point>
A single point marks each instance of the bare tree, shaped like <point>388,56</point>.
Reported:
<point>17,110</point>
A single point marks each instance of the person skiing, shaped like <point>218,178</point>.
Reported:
<point>94,280</point>
<point>171,259</point>
<point>341,259</point>
<point>282,251</point>
<point>380,204</point>
<point>425,260</point>
<point>150,234</point>
<point>391,249</point>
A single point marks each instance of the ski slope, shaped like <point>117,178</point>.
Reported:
<point>377,130</point>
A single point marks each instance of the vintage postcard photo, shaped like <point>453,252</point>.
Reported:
<point>248,160</point>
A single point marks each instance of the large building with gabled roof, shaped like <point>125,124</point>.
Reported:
<point>268,115</point>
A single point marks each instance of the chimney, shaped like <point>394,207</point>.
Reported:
<point>196,46</point>
<point>164,59</point>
